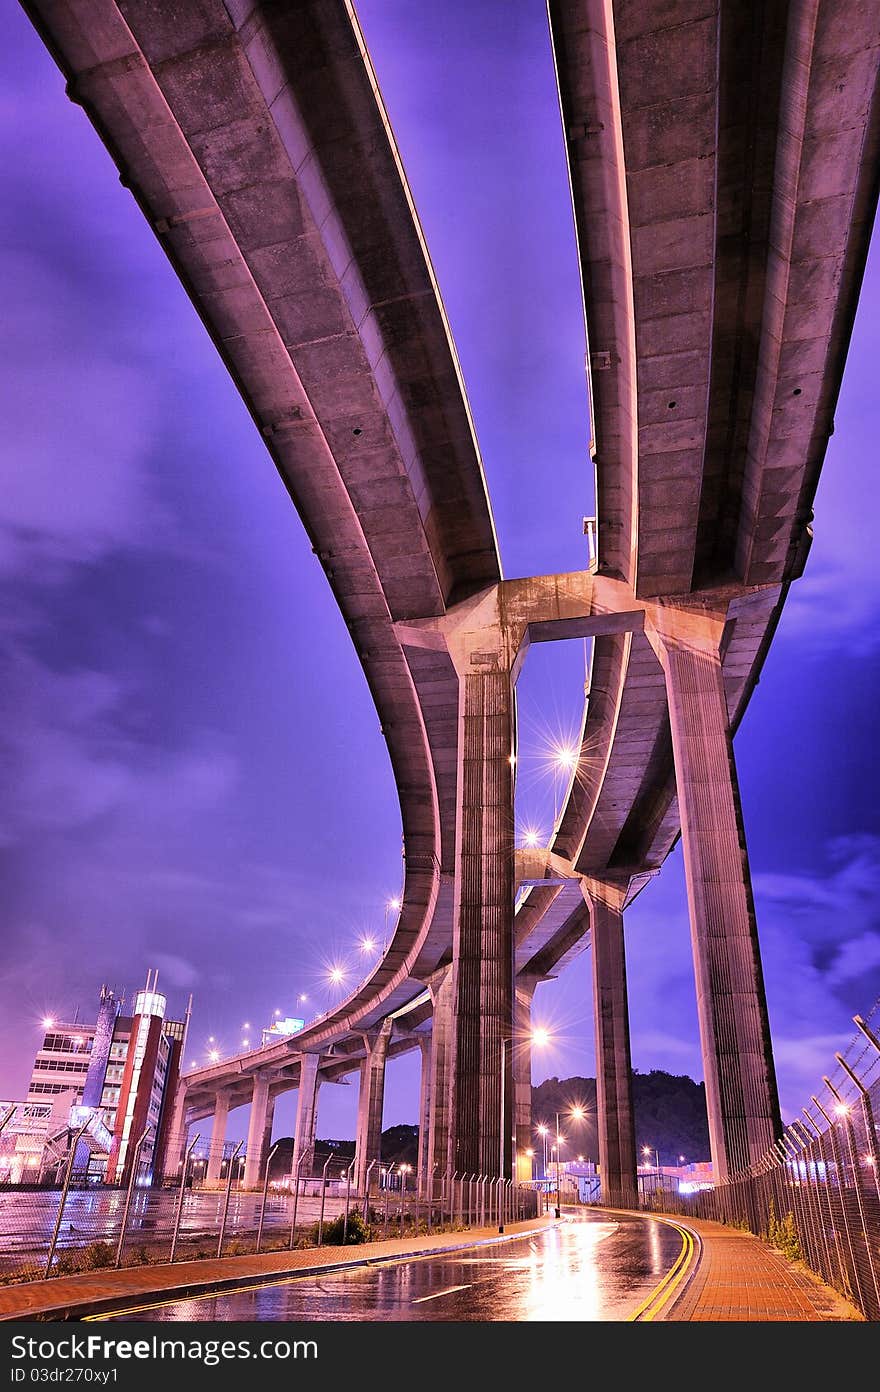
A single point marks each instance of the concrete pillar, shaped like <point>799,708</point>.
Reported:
<point>266,1144</point>
<point>424,1112</point>
<point>177,1136</point>
<point>741,1091</point>
<point>218,1137</point>
<point>371,1100</point>
<point>614,1104</point>
<point>522,1077</point>
<point>306,1111</point>
<point>483,942</point>
<point>256,1131</point>
<point>440,1100</point>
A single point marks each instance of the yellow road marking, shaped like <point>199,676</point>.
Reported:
<point>662,1294</point>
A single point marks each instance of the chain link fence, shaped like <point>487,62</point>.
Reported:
<point>816,1194</point>
<point>48,1232</point>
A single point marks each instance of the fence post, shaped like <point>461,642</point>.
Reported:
<point>816,1139</point>
<point>135,1158</point>
<point>63,1196</point>
<point>807,1235</point>
<point>851,1274</point>
<point>347,1200</point>
<point>327,1163</point>
<point>452,1198</point>
<point>843,1112</point>
<point>179,1207</point>
<point>299,1165</point>
<point>367,1189</point>
<point>431,1196</point>
<point>385,1206</point>
<point>265,1196</point>
<point>867,1118</point>
<point>232,1158</point>
<point>403,1169</point>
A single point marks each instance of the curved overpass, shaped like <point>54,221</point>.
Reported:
<point>724,178</point>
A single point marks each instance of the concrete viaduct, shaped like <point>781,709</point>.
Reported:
<point>724,165</point>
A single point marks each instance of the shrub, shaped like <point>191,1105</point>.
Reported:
<point>783,1235</point>
<point>95,1257</point>
<point>355,1231</point>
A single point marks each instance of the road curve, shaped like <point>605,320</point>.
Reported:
<point>599,1267</point>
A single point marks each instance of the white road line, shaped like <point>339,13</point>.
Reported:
<point>437,1294</point>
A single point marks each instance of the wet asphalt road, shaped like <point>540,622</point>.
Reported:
<point>593,1268</point>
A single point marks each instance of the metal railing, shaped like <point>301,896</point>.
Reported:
<point>815,1195</point>
<point>74,1227</point>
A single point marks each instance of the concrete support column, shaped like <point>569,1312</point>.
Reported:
<point>424,1112</point>
<point>256,1131</point>
<point>177,1135</point>
<point>522,1076</point>
<point>266,1144</point>
<point>483,942</point>
<point>614,1103</point>
<point>306,1110</point>
<point>440,1091</point>
<point>371,1102</point>
<point>218,1137</point>
<point>741,1091</point>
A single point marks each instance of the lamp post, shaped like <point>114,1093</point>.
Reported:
<point>542,1132</point>
<point>558,1149</point>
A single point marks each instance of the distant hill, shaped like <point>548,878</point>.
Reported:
<point>670,1114</point>
<point>400,1145</point>
<point>670,1118</point>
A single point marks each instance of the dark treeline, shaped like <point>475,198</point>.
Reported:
<point>670,1119</point>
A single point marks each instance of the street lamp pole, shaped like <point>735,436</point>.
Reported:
<point>501,1128</point>
<point>558,1188</point>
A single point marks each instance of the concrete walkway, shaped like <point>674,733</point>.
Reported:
<point>733,1276</point>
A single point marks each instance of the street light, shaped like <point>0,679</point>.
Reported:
<point>391,906</point>
<point>565,760</point>
<point>542,1132</point>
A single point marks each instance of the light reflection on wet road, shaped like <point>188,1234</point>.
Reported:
<point>593,1268</point>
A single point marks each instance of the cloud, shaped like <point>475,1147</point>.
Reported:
<point>69,759</point>
<point>820,943</point>
<point>178,970</point>
<point>79,425</point>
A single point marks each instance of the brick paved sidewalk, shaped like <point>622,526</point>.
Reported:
<point>740,1278</point>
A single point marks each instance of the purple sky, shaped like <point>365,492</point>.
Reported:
<point>192,772</point>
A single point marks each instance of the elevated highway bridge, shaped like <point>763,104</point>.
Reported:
<point>724,164</point>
